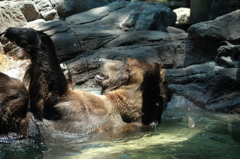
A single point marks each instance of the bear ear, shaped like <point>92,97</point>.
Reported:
<point>153,105</point>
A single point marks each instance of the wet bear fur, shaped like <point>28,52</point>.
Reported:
<point>134,94</point>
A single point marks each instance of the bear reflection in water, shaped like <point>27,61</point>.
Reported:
<point>133,97</point>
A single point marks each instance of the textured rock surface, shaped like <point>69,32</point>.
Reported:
<point>67,8</point>
<point>150,16</point>
<point>29,10</point>
<point>46,9</point>
<point>207,85</point>
<point>10,15</point>
<point>99,28</point>
<point>219,29</point>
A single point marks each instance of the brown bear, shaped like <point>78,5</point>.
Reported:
<point>15,119</point>
<point>130,76</point>
<point>133,95</point>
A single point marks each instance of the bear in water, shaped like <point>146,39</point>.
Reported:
<point>134,95</point>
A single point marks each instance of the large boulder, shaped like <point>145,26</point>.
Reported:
<point>217,30</point>
<point>207,85</point>
<point>150,16</point>
<point>215,84</point>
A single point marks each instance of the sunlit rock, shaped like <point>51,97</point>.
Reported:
<point>10,15</point>
<point>46,9</point>
<point>150,16</point>
<point>29,10</point>
<point>183,15</point>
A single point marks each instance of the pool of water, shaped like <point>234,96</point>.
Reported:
<point>185,133</point>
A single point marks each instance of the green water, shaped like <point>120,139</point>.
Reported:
<point>185,133</point>
<point>213,136</point>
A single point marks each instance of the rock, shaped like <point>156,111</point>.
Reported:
<point>149,46</point>
<point>229,50</point>
<point>4,61</point>
<point>35,23</point>
<point>65,41</point>
<point>150,16</point>
<point>183,15</point>
<point>16,68</point>
<point>207,85</point>
<point>137,15</point>
<point>29,10</point>
<point>84,66</point>
<point>67,8</point>
<point>97,14</point>
<point>98,28</point>
<point>67,45</point>
<point>227,61</point>
<point>210,32</point>
<point>47,10</point>
<point>10,16</point>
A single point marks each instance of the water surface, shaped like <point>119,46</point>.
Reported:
<point>185,133</point>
